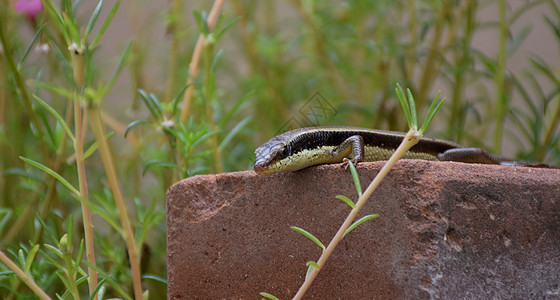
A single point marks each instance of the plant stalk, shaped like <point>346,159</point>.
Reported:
<point>93,113</point>
<point>26,279</point>
<point>78,63</point>
<point>195,60</point>
<point>173,14</point>
<point>501,100</point>
<point>208,85</point>
<point>24,94</point>
<point>410,139</point>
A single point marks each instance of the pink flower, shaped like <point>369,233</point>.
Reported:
<point>29,8</point>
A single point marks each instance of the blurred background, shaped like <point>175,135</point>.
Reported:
<point>263,67</point>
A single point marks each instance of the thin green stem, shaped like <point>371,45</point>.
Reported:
<point>259,67</point>
<point>70,272</point>
<point>78,63</point>
<point>463,58</point>
<point>413,31</point>
<point>322,51</point>
<point>410,139</point>
<point>501,98</point>
<point>173,15</point>
<point>195,60</point>
<point>86,210</point>
<point>24,94</point>
<point>26,279</point>
<point>435,51</point>
<point>93,113</point>
<point>209,88</point>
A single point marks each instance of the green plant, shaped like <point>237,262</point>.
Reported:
<point>207,92</point>
<point>411,139</point>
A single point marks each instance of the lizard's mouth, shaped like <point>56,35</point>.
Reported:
<point>261,169</point>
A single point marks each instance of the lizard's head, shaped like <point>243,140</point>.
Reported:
<point>269,154</point>
<point>287,152</point>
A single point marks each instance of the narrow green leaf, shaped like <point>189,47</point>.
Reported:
<point>434,108</point>
<point>21,257</point>
<point>64,281</point>
<point>55,89</point>
<point>22,60</point>
<point>105,24</point>
<point>226,28</point>
<point>309,236</point>
<point>79,259</point>
<point>55,250</point>
<point>52,173</point>
<point>97,288</point>
<point>269,296</point>
<point>67,69</point>
<point>517,40</point>
<point>309,270</point>
<point>122,63</point>
<point>158,163</point>
<point>412,106</point>
<point>70,26</point>
<point>56,116</point>
<point>157,105</point>
<point>49,7</point>
<point>155,278</point>
<point>544,68</point>
<point>147,100</point>
<point>94,17</point>
<point>233,111</point>
<point>313,264</point>
<point>30,258</point>
<point>25,174</point>
<point>133,124</point>
<point>360,221</point>
<point>233,132</point>
<point>404,103</point>
<point>93,146</point>
<point>46,228</point>
<point>217,58</point>
<point>106,215</point>
<point>178,98</point>
<point>347,200</point>
<point>201,20</point>
<point>111,281</point>
<point>355,177</point>
<point>555,28</point>
<point>82,279</point>
<point>7,215</point>
<point>66,6</point>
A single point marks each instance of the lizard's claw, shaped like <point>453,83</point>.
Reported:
<point>345,162</point>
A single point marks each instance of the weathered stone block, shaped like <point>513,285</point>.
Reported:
<point>446,230</point>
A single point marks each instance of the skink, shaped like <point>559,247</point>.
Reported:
<point>305,147</point>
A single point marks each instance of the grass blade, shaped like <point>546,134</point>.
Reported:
<point>404,103</point>
<point>347,200</point>
<point>57,116</point>
<point>105,24</point>
<point>50,172</point>
<point>233,132</point>
<point>122,63</point>
<point>360,221</point>
<point>269,296</point>
<point>133,124</point>
<point>94,17</point>
<point>355,177</point>
<point>93,147</point>
<point>308,235</point>
<point>22,60</point>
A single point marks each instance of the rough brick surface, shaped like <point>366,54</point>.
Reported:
<point>446,230</point>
